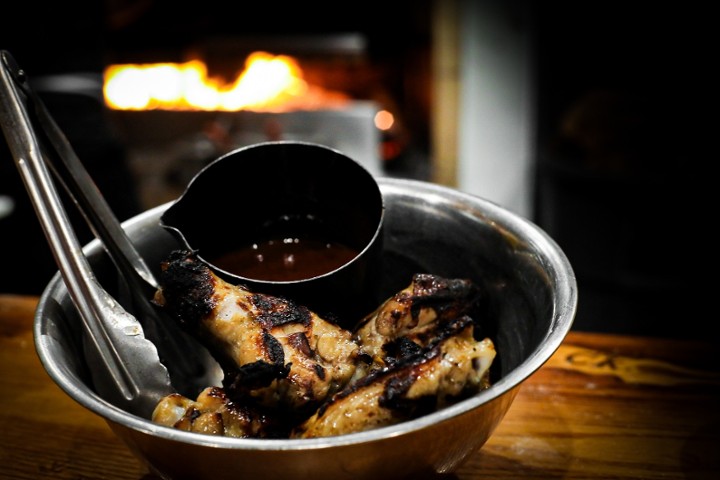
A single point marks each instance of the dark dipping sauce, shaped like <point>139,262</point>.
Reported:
<point>286,258</point>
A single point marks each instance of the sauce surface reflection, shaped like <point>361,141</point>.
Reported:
<point>286,258</point>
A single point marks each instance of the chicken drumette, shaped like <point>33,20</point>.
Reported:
<point>276,352</point>
<point>450,367</point>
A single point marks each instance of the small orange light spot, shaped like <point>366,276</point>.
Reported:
<point>384,120</point>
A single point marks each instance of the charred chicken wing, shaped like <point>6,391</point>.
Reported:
<point>276,352</point>
<point>448,368</point>
<point>412,317</point>
<point>214,414</point>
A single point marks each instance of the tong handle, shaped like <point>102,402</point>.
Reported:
<point>82,188</point>
<point>115,335</point>
<point>27,153</point>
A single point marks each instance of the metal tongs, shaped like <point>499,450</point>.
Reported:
<point>125,364</point>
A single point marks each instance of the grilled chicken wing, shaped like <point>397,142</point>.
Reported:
<point>276,352</point>
<point>449,367</point>
<point>214,414</point>
<point>411,318</point>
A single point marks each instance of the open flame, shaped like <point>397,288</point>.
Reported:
<point>269,83</point>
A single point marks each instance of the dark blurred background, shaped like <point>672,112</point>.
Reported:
<point>620,165</point>
<point>622,160</point>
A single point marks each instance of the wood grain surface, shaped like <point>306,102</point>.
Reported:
<point>603,407</point>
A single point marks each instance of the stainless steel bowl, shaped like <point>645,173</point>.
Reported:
<point>531,302</point>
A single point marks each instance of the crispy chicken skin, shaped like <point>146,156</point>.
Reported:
<point>213,414</point>
<point>414,314</point>
<point>279,353</point>
<point>451,366</point>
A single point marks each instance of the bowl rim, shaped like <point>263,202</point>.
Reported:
<point>560,325</point>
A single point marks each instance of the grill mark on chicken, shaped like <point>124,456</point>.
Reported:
<point>275,312</point>
<point>319,371</point>
<point>188,297</point>
<point>448,297</point>
<point>400,348</point>
<point>273,348</point>
<point>252,376</point>
<point>300,342</point>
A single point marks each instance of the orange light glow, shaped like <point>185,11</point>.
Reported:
<point>384,120</point>
<point>269,82</point>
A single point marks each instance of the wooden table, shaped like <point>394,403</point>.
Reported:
<point>603,407</point>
